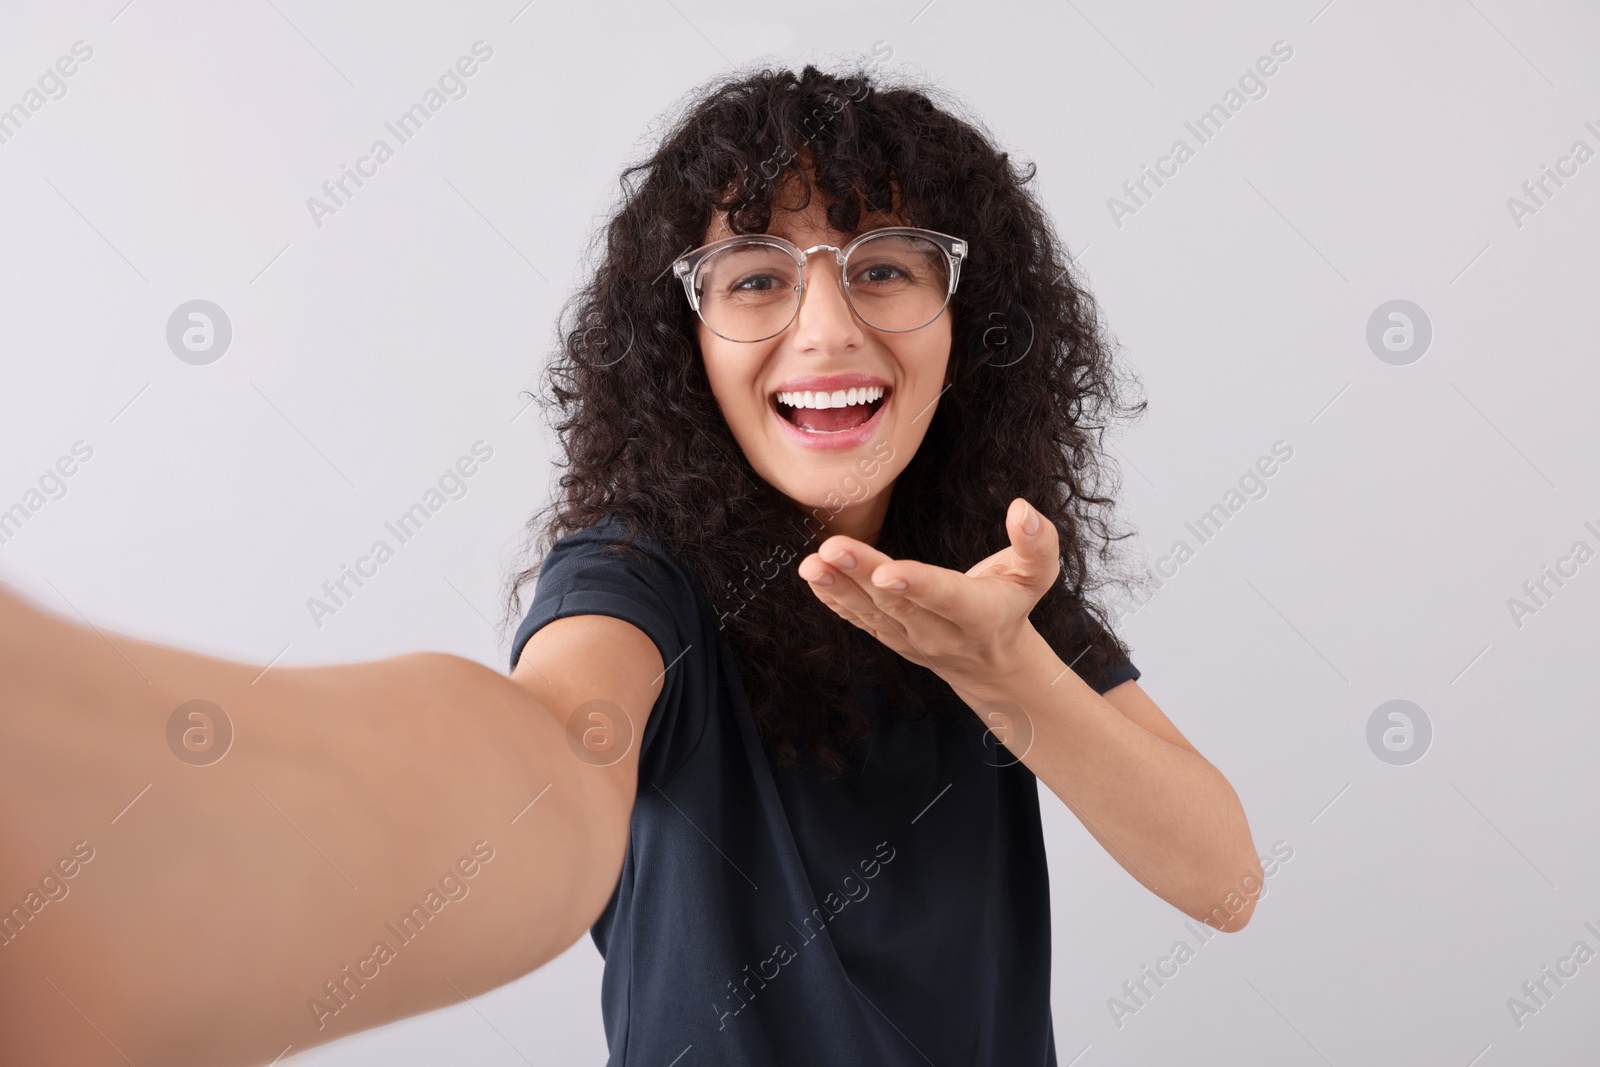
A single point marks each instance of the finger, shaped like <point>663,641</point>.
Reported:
<point>886,582</point>
<point>938,591</point>
<point>857,561</point>
<point>817,573</point>
<point>842,595</point>
<point>836,588</point>
<point>850,555</point>
<point>898,622</point>
<point>1035,542</point>
<point>1002,562</point>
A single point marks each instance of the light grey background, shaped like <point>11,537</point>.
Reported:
<point>372,351</point>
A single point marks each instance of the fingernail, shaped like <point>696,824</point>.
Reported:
<point>1030,520</point>
<point>896,584</point>
<point>823,579</point>
<point>844,561</point>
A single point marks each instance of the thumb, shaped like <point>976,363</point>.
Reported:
<point>1035,543</point>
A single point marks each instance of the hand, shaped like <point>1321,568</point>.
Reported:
<point>965,627</point>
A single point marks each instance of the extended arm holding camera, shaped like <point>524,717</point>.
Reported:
<point>424,803</point>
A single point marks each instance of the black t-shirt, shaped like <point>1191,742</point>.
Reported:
<point>898,915</point>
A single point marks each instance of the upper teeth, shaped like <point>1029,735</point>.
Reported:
<point>839,398</point>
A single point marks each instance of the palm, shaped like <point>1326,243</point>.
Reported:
<point>941,618</point>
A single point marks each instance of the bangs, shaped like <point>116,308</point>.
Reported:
<point>814,140</point>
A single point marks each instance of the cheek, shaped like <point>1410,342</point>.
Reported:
<point>740,405</point>
<point>932,356</point>
<point>731,380</point>
<point>930,368</point>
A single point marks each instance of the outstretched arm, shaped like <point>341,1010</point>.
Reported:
<point>1153,802</point>
<point>216,913</point>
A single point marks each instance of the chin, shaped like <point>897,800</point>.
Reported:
<point>825,486</point>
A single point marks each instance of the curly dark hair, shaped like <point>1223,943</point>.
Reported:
<point>1033,387</point>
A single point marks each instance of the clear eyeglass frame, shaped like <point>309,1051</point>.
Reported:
<point>687,268</point>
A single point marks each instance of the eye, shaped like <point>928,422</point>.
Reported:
<point>881,274</point>
<point>758,283</point>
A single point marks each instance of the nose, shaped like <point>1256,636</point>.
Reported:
<point>825,323</point>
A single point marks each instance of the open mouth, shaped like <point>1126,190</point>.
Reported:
<point>833,412</point>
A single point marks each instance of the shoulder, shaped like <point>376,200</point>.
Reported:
<point>617,569</point>
<point>610,569</point>
<point>613,536</point>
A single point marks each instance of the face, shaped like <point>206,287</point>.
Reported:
<point>836,463</point>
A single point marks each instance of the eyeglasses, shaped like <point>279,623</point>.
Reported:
<point>748,288</point>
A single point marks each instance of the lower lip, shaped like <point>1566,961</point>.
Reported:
<point>832,442</point>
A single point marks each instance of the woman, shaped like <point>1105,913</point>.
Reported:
<point>813,623</point>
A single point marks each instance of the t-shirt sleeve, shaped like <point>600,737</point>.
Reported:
<point>1122,671</point>
<point>582,575</point>
<point>1095,655</point>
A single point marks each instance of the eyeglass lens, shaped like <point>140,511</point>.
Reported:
<point>896,282</point>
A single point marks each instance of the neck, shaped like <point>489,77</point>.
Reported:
<point>863,521</point>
